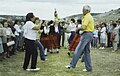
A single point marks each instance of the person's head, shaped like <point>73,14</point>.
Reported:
<point>5,23</point>
<point>30,17</point>
<point>79,21</point>
<point>72,20</point>
<point>37,20</point>
<point>17,22</point>
<point>86,9</point>
<point>104,24</point>
<point>50,22</point>
<point>44,23</point>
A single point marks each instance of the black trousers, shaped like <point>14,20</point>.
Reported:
<point>109,44</point>
<point>30,53</point>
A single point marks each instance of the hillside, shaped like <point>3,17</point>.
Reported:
<point>4,17</point>
<point>101,17</point>
<point>107,16</point>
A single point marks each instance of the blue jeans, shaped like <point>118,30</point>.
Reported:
<point>41,49</point>
<point>17,38</point>
<point>83,46</point>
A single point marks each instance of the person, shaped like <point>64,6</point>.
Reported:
<point>8,34</point>
<point>103,36</point>
<point>75,39</point>
<point>40,46</point>
<point>17,34</point>
<point>109,30</point>
<point>115,37</point>
<point>44,38</point>
<point>95,38</point>
<point>1,46</point>
<point>85,41</point>
<point>30,34</point>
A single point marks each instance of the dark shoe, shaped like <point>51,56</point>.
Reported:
<point>68,53</point>
<point>7,56</point>
<point>57,51</point>
<point>51,52</point>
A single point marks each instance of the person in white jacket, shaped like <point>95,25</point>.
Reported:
<point>17,34</point>
<point>103,36</point>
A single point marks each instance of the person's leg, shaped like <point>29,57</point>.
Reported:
<point>27,54</point>
<point>115,46</point>
<point>34,55</point>
<point>63,38</point>
<point>16,42</point>
<point>41,49</point>
<point>87,58</point>
<point>79,49</point>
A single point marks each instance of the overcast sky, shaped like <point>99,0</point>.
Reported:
<point>45,8</point>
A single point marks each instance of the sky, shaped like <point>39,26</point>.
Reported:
<point>44,9</point>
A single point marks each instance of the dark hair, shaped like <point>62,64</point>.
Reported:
<point>3,22</point>
<point>104,24</point>
<point>79,21</point>
<point>16,21</point>
<point>29,16</point>
<point>73,20</point>
<point>37,18</point>
<point>114,24</point>
<point>43,21</point>
<point>50,22</point>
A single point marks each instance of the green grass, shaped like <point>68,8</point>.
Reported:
<point>105,63</point>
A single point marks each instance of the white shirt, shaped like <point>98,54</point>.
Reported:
<point>72,27</point>
<point>46,29</point>
<point>29,33</point>
<point>103,32</point>
<point>17,29</point>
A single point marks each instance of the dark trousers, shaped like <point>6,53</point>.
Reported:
<point>63,38</point>
<point>59,40</point>
<point>30,52</point>
<point>109,44</point>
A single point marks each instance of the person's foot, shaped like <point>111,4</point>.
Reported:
<point>84,70</point>
<point>68,53</point>
<point>57,51</point>
<point>36,69</point>
<point>69,67</point>
<point>7,56</point>
<point>102,48</point>
<point>44,60</point>
<point>51,52</point>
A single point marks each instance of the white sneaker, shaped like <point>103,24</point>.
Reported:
<point>102,48</point>
<point>84,70</point>
<point>37,69</point>
<point>28,69</point>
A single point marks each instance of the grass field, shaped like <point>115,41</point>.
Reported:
<point>105,63</point>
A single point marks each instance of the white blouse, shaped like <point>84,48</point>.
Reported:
<point>29,33</point>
